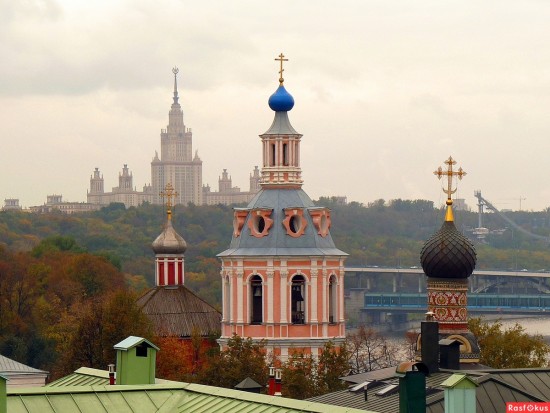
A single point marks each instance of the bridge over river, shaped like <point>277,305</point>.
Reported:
<point>388,295</point>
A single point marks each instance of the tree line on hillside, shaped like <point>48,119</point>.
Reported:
<point>382,233</point>
<point>62,308</point>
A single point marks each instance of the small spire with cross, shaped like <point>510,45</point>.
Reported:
<point>449,173</point>
<point>169,193</point>
<point>281,59</point>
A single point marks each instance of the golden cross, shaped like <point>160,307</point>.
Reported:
<point>281,59</point>
<point>449,173</point>
<point>169,193</point>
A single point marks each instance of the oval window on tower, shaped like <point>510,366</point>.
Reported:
<point>260,222</point>
<point>294,222</point>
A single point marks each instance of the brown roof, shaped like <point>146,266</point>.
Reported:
<point>177,311</point>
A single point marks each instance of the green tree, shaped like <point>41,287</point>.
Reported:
<point>508,347</point>
<point>299,376</point>
<point>333,364</point>
<point>243,358</point>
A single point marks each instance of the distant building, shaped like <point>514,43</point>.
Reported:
<point>460,205</point>
<point>56,203</point>
<point>228,194</point>
<point>11,204</point>
<point>176,166</point>
<point>124,193</point>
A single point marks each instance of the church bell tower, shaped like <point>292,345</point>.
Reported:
<point>282,275</point>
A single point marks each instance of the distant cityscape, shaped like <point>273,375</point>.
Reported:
<point>176,165</point>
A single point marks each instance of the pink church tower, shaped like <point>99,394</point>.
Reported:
<point>282,276</point>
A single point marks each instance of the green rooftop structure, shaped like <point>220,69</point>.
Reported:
<point>3,401</point>
<point>460,394</point>
<point>135,361</point>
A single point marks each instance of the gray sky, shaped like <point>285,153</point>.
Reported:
<point>385,91</point>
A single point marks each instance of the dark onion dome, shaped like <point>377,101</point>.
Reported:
<point>169,241</point>
<point>281,100</point>
<point>448,254</point>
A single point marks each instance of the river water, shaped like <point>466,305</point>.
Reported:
<point>532,325</point>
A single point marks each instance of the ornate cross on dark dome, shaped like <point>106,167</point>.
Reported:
<point>281,59</point>
<point>169,193</point>
<point>449,173</point>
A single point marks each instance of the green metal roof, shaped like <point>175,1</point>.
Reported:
<point>456,378</point>
<point>86,376</point>
<point>133,341</point>
<point>158,398</point>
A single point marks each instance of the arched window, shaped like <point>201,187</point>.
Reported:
<point>256,300</point>
<point>298,303</point>
<point>332,299</point>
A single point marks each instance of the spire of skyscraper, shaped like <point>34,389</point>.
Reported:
<point>175,71</point>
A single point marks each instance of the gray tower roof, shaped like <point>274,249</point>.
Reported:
<point>278,242</point>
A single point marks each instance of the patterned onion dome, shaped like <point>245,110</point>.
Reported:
<point>169,241</point>
<point>281,100</point>
<point>448,254</point>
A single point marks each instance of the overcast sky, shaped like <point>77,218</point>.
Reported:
<point>385,91</point>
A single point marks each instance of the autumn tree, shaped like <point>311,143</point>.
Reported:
<point>242,358</point>
<point>508,347</point>
<point>305,376</point>
<point>299,376</point>
<point>183,359</point>
<point>100,326</point>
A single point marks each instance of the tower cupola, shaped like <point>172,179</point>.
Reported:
<point>281,143</point>
<point>448,258</point>
<point>169,248</point>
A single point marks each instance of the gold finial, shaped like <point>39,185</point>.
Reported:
<point>169,193</point>
<point>281,59</point>
<point>449,173</point>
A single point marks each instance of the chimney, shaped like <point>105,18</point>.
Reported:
<point>111,374</point>
<point>271,383</point>
<point>460,394</point>
<point>3,394</point>
<point>449,354</point>
<point>278,377</point>
<point>429,342</point>
<point>135,361</point>
<point>412,387</point>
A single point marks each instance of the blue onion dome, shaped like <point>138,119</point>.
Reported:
<point>169,241</point>
<point>281,100</point>
<point>448,254</point>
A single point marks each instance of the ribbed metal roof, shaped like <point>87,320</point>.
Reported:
<point>177,311</point>
<point>491,394</point>
<point>132,341</point>
<point>86,376</point>
<point>8,365</point>
<point>281,125</point>
<point>278,242</point>
<point>168,398</point>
